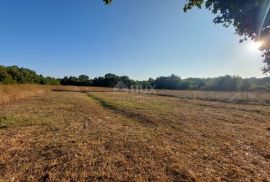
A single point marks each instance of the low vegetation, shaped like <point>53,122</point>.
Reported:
<point>255,97</point>
<point>11,93</point>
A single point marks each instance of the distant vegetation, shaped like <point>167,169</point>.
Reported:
<point>223,83</point>
<point>14,74</point>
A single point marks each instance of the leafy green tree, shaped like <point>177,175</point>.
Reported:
<point>195,83</point>
<point>83,78</point>
<point>23,75</point>
<point>111,79</point>
<point>225,83</point>
<point>127,81</point>
<point>4,76</point>
<point>245,85</point>
<point>169,82</point>
<point>98,81</point>
<point>64,81</point>
<point>49,81</point>
<point>15,74</point>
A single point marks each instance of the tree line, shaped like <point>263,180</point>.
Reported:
<point>222,83</point>
<point>15,74</point>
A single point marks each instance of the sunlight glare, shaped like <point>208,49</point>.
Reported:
<point>256,45</point>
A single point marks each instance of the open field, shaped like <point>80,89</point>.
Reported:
<point>14,92</point>
<point>255,97</point>
<point>60,88</point>
<point>9,93</point>
<point>110,136</point>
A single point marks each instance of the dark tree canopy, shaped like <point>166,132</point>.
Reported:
<point>250,19</point>
<point>17,75</point>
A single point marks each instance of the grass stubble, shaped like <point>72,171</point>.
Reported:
<point>106,136</point>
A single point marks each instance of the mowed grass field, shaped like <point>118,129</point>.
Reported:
<point>100,135</point>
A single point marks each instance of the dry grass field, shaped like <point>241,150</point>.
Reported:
<point>99,135</point>
<point>11,93</point>
<point>256,97</point>
<point>59,88</point>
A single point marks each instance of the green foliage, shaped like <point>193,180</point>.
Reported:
<point>225,83</point>
<point>170,82</point>
<point>222,83</point>
<point>82,80</point>
<point>110,80</point>
<point>195,83</point>
<point>4,76</point>
<point>15,74</point>
<point>49,81</point>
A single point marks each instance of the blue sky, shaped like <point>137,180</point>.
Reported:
<point>138,38</point>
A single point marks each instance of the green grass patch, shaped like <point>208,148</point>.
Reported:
<point>20,121</point>
<point>122,109</point>
<point>103,102</point>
